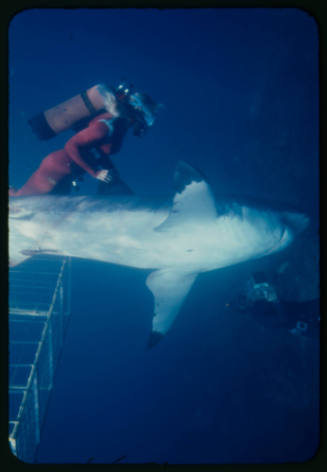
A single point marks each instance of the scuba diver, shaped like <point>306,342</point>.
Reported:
<point>101,117</point>
<point>260,299</point>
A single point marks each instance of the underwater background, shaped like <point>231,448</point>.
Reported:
<point>240,89</point>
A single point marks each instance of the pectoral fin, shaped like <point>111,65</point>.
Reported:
<point>169,288</point>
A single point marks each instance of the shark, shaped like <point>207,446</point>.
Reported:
<point>175,240</point>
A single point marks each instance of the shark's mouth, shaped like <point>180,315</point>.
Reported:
<point>280,243</point>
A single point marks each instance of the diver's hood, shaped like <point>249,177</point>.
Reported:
<point>144,104</point>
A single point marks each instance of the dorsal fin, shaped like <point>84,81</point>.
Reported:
<point>193,198</point>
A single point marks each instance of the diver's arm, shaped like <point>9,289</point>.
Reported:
<point>87,137</point>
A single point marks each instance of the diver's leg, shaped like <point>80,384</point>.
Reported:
<point>52,169</point>
<point>37,184</point>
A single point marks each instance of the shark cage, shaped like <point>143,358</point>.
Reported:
<point>39,310</point>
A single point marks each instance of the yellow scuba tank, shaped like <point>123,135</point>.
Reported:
<point>67,114</point>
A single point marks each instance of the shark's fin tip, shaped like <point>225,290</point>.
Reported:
<point>154,339</point>
<point>185,174</point>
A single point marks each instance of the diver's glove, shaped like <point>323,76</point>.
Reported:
<point>104,175</point>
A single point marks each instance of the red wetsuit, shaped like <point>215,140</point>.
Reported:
<point>58,164</point>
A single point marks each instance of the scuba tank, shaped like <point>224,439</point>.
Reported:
<point>69,113</point>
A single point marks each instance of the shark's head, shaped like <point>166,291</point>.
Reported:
<point>253,232</point>
<point>293,224</point>
<point>284,227</point>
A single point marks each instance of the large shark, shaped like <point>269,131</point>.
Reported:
<point>191,235</point>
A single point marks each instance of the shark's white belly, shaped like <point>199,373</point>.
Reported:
<point>133,239</point>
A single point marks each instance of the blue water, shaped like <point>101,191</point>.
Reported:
<point>240,95</point>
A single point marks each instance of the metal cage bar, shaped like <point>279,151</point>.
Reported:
<point>39,308</point>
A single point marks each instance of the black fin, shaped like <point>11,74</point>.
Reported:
<point>154,339</point>
<point>185,174</point>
